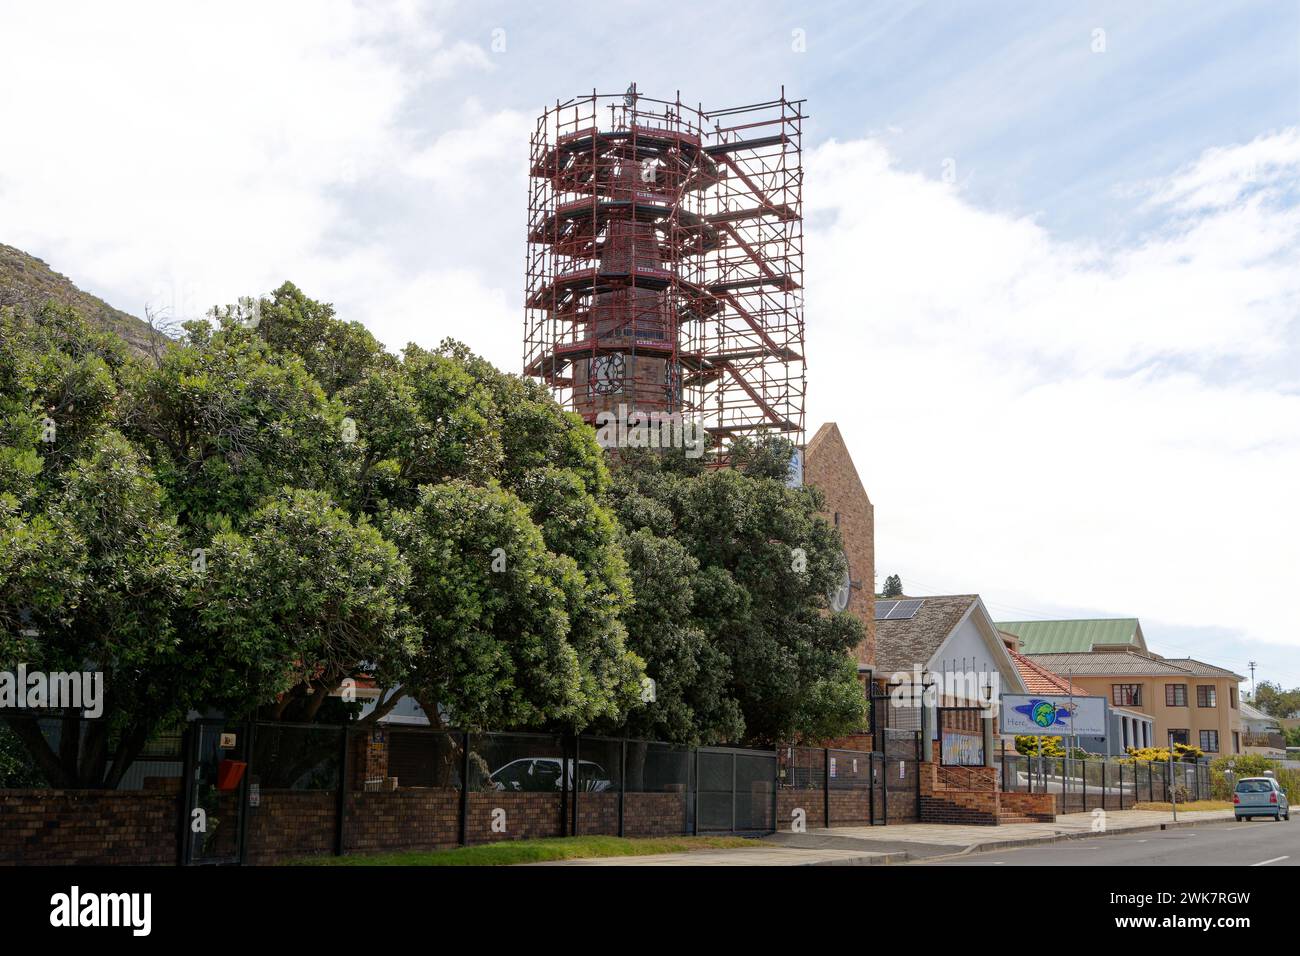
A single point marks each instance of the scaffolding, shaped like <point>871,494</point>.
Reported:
<point>664,266</point>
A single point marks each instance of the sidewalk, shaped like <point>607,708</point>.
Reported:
<point>909,842</point>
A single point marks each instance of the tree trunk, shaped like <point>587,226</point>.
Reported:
<point>29,732</point>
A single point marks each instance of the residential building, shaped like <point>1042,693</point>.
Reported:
<point>1189,701</point>
<point>1126,726</point>
<point>946,639</point>
<point>1075,636</point>
<point>1261,732</point>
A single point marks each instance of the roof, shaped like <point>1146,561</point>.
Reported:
<point>1202,669</point>
<point>1131,711</point>
<point>1039,680</point>
<point>1250,712</point>
<point>1063,637</point>
<point>1129,663</point>
<point>904,642</point>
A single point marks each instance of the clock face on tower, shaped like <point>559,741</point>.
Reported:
<point>839,598</point>
<point>605,373</point>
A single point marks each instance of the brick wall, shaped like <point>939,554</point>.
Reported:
<point>970,795</point>
<point>527,816</point>
<point>810,801</point>
<point>598,814</point>
<point>402,820</point>
<point>828,466</point>
<point>654,814</point>
<point>851,806</point>
<point>903,806</point>
<point>87,827</point>
<point>289,824</point>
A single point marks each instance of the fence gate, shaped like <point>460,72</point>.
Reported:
<point>735,790</point>
<point>216,761</point>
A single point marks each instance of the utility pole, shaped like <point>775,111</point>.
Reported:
<point>1252,683</point>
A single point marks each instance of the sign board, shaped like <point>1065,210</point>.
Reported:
<point>227,741</point>
<point>832,766</point>
<point>962,749</point>
<point>254,794</point>
<point>1053,716</point>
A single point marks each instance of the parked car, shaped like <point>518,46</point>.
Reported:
<point>1260,797</point>
<point>543,773</point>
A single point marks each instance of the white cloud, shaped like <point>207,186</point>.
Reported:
<point>184,154</point>
<point>1221,176</point>
<point>1067,424</point>
<point>1052,423</point>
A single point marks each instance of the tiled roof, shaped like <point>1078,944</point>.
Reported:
<point>902,643</point>
<point>1202,669</point>
<point>1039,680</point>
<point>1073,637</point>
<point>1254,713</point>
<point>1129,663</point>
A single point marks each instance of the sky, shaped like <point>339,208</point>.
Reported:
<point>1052,281</point>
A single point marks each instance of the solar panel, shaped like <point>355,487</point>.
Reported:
<point>897,610</point>
<point>905,610</point>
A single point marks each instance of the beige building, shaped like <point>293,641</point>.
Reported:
<point>1190,702</point>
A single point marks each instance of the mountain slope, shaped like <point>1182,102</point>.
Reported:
<point>26,280</point>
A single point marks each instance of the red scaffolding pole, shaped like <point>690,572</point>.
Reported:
<point>664,267</point>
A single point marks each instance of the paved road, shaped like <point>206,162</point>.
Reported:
<point>1260,842</point>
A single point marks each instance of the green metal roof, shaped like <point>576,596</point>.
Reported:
<point>1073,637</point>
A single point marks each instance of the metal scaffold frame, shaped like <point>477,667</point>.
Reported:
<point>664,264</point>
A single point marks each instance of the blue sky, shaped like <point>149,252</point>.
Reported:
<point>1070,378</point>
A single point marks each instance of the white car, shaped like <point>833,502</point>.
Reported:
<point>543,773</point>
<point>1260,797</point>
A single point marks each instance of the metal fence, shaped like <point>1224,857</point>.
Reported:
<point>256,792</point>
<point>1109,784</point>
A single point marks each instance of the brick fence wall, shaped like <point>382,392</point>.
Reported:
<point>87,827</point>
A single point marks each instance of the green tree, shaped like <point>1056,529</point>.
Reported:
<point>1276,702</point>
<point>893,587</point>
<point>246,519</point>
<point>743,595</point>
<point>302,599</point>
<point>496,610</point>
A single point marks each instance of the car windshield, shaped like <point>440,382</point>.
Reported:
<point>1254,786</point>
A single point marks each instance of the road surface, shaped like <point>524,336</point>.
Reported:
<point>1257,843</point>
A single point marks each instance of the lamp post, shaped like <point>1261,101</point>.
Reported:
<point>1173,794</point>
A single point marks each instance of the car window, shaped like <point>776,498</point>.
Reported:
<point>512,772</point>
<point>547,775</point>
<point>1254,786</point>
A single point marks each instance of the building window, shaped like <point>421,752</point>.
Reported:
<point>1236,742</point>
<point>1210,741</point>
<point>1179,736</point>
<point>1126,695</point>
<point>1232,697</point>
<point>1206,695</point>
<point>1175,695</point>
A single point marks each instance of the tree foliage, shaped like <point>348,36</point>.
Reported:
<point>732,569</point>
<point>273,504</point>
<point>1273,700</point>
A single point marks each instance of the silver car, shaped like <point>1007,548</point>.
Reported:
<point>1260,797</point>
